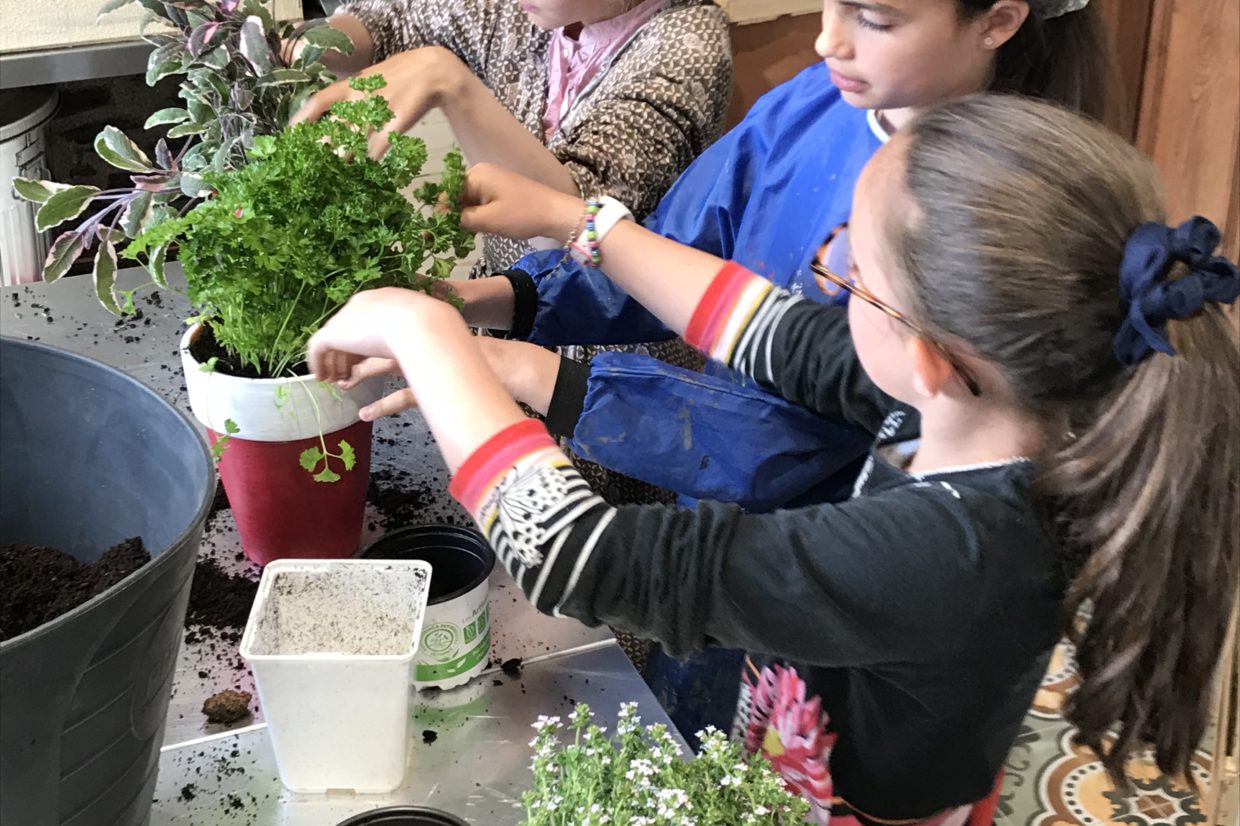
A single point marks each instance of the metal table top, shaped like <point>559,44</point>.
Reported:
<point>66,314</point>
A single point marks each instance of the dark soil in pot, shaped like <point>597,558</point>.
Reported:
<point>42,583</point>
<point>205,347</point>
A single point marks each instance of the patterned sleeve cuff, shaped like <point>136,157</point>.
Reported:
<point>736,321</point>
<point>482,472</point>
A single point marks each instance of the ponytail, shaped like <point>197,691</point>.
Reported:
<point>1066,59</point>
<point>1026,216</point>
<point>1146,496</point>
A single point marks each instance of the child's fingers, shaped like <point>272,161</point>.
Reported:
<point>320,102</point>
<point>368,368</point>
<point>388,405</point>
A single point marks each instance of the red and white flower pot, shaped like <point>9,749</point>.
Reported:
<point>281,510</point>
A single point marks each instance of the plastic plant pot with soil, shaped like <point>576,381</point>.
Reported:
<point>92,457</point>
<point>331,644</point>
<point>285,505</point>
<point>404,816</point>
<point>456,635</point>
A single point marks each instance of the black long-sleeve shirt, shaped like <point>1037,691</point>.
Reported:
<point>898,638</point>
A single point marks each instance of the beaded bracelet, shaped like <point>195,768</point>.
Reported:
<point>584,247</point>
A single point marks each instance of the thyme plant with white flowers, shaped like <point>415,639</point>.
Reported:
<point>638,778</point>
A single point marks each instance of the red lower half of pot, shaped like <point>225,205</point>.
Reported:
<point>282,510</point>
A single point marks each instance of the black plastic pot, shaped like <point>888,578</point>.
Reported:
<point>404,816</point>
<point>460,557</point>
<point>92,456</point>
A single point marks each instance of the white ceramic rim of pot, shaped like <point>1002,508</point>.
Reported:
<point>279,566</point>
<point>254,406</point>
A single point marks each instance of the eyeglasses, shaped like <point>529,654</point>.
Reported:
<point>835,252</point>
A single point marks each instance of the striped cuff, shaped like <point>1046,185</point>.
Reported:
<point>726,311</point>
<point>482,472</point>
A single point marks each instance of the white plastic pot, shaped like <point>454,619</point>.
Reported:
<point>331,644</point>
<point>281,510</point>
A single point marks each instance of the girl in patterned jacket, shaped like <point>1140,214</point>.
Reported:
<point>612,96</point>
<point>1049,377</point>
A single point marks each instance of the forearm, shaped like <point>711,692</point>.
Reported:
<point>527,371</point>
<point>460,396</point>
<point>666,277</point>
<point>488,133</point>
<point>488,302</point>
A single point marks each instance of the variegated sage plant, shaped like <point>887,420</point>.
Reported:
<point>236,87</point>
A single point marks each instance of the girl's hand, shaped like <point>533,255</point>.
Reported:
<point>528,373</point>
<point>417,81</point>
<point>499,201</point>
<point>373,324</point>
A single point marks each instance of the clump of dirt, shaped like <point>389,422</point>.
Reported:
<point>512,667</point>
<point>41,583</point>
<point>399,500</point>
<point>219,602</point>
<point>228,706</point>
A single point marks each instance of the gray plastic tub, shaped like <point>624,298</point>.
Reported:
<point>91,457</point>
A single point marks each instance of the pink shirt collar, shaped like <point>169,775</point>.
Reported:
<point>573,64</point>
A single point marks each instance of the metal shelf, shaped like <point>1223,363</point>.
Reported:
<point>36,68</point>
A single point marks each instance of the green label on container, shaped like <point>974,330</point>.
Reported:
<point>425,673</point>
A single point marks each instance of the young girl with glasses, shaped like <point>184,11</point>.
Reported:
<point>1086,483</point>
<point>765,195</point>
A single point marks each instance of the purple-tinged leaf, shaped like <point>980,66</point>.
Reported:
<point>164,157</point>
<point>203,38</point>
<point>64,251</point>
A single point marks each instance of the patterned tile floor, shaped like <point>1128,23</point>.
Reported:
<point>1050,782</point>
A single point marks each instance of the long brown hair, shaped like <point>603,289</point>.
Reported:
<point>1024,213</point>
<point>1065,59</point>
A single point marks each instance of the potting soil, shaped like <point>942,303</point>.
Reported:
<point>41,583</point>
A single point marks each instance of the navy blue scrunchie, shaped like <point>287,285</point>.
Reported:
<point>1151,252</point>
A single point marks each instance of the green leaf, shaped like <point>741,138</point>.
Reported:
<point>115,236</point>
<point>216,58</point>
<point>256,8</point>
<point>156,73</point>
<point>208,366</point>
<point>217,449</point>
<point>135,213</point>
<point>327,475</point>
<point>156,265</point>
<point>347,455</point>
<point>64,251</point>
<point>117,149</point>
<point>63,205</point>
<point>193,186</point>
<point>37,191</point>
<point>230,427</point>
<point>186,129</point>
<point>254,46</point>
<point>105,277</point>
<point>329,37</point>
<point>172,114</point>
<point>310,458</point>
<point>279,76</point>
<point>111,6</point>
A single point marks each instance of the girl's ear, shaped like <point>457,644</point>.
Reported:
<point>931,369</point>
<point>1002,21</point>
